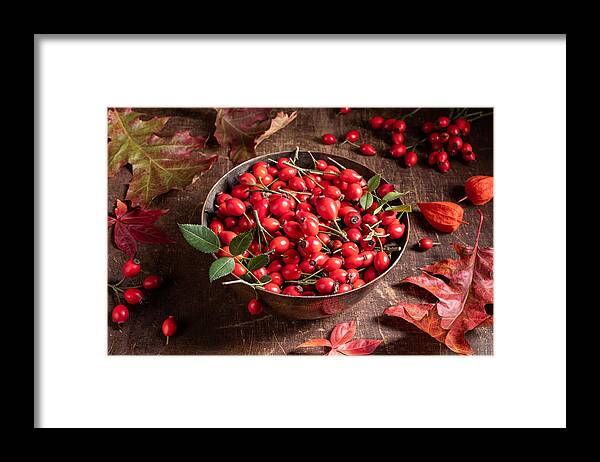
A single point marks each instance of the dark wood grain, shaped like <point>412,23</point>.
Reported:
<point>213,321</point>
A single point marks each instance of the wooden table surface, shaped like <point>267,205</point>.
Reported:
<point>213,321</point>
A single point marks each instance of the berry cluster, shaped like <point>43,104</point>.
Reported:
<point>134,295</point>
<point>325,229</point>
<point>351,137</point>
<point>446,137</point>
<point>397,127</point>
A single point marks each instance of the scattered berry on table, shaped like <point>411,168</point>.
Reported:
<point>169,327</point>
<point>131,268</point>
<point>152,282</point>
<point>120,314</point>
<point>426,243</point>
<point>328,138</point>
<point>254,306</point>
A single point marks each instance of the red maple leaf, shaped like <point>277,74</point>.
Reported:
<point>461,301</point>
<point>340,341</point>
<point>136,225</point>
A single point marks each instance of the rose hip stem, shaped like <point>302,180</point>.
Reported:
<point>115,288</point>
<point>410,114</point>
<point>302,169</point>
<point>337,163</point>
<point>259,224</point>
<point>241,281</point>
<point>480,114</point>
<point>460,112</point>
<point>416,144</point>
<point>307,279</point>
<point>324,246</point>
<point>342,233</point>
<point>335,231</point>
<point>313,159</point>
<point>350,142</point>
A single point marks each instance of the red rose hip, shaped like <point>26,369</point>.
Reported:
<point>382,262</point>
<point>325,286</point>
<point>169,327</point>
<point>120,314</point>
<point>328,138</point>
<point>254,306</point>
<point>133,296</point>
<point>410,159</point>
<point>152,282</point>
<point>131,268</point>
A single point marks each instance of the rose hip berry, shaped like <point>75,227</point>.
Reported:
<point>349,249</point>
<point>398,138</point>
<point>410,159</point>
<point>169,327</point>
<point>399,126</point>
<point>327,208</point>
<point>396,230</point>
<point>325,286</point>
<point>388,125</point>
<point>254,306</point>
<point>397,150</point>
<point>442,122</point>
<point>443,166</point>
<point>426,244</point>
<point>352,136</point>
<point>120,314</point>
<point>382,262</point>
<point>133,296</point>
<point>367,150</point>
<point>427,127</point>
<point>279,244</point>
<point>152,282</point>
<point>377,122</point>
<point>234,207</point>
<point>131,268</point>
<point>328,138</point>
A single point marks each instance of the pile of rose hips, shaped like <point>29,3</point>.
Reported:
<point>319,239</point>
<point>134,295</point>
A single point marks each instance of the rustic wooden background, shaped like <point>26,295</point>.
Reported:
<point>211,320</point>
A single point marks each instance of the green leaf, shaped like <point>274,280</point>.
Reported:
<point>392,196</point>
<point>240,243</point>
<point>265,279</point>
<point>366,200</point>
<point>258,262</point>
<point>247,277</point>
<point>221,267</point>
<point>373,183</point>
<point>399,208</point>
<point>200,237</point>
<point>378,209</point>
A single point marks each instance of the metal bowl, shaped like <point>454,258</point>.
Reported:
<point>307,307</point>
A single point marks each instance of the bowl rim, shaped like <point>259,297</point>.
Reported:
<point>204,221</point>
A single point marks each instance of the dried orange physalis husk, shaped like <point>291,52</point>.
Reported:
<point>443,216</point>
